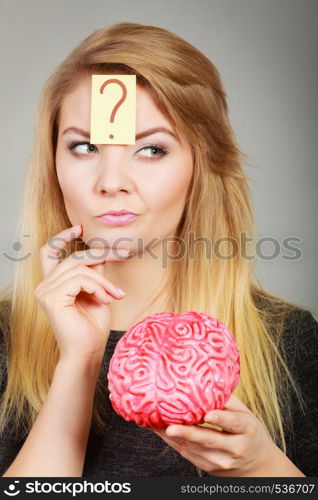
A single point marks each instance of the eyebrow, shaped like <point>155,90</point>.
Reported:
<point>141,135</point>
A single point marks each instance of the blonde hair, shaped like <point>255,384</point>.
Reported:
<point>187,87</point>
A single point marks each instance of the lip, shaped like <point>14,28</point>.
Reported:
<point>114,219</point>
<point>117,212</point>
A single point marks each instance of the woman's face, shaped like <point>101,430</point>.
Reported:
<point>149,178</point>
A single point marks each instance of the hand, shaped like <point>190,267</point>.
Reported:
<point>75,296</point>
<point>242,448</point>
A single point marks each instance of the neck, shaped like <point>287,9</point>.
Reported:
<point>140,277</point>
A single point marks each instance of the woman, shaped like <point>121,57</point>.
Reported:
<point>65,314</point>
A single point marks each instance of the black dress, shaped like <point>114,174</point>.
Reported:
<point>125,449</point>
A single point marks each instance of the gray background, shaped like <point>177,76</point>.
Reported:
<point>266,53</point>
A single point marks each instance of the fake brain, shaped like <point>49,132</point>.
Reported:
<point>172,369</point>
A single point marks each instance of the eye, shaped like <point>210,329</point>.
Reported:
<point>154,151</point>
<point>82,148</point>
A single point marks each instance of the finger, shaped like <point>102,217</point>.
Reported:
<point>90,257</point>
<point>51,251</point>
<point>175,442</point>
<point>201,436</point>
<point>176,445</point>
<point>65,293</point>
<point>107,285</point>
<point>209,459</point>
<point>236,422</point>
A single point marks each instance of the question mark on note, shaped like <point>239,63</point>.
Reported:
<point>122,129</point>
<point>119,103</point>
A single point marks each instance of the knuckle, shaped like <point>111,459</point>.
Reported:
<point>207,443</point>
<point>180,444</point>
<point>86,281</point>
<point>225,464</point>
<point>236,425</point>
<point>37,291</point>
<point>253,427</point>
<point>46,300</point>
<point>237,452</point>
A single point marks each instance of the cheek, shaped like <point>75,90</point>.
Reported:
<point>72,189</point>
<point>169,192</point>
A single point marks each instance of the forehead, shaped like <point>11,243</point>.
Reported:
<point>76,107</point>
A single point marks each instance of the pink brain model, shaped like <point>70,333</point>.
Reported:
<point>172,369</point>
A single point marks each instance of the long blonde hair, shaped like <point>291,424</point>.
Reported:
<point>188,89</point>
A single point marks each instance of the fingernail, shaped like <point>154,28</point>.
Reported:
<point>120,291</point>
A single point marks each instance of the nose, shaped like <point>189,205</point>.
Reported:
<point>113,171</point>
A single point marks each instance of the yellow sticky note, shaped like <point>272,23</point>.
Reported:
<point>113,109</point>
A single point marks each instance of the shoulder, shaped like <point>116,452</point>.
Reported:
<point>300,344</point>
<point>291,325</point>
<point>299,339</point>
<point>300,320</point>
<point>294,331</point>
